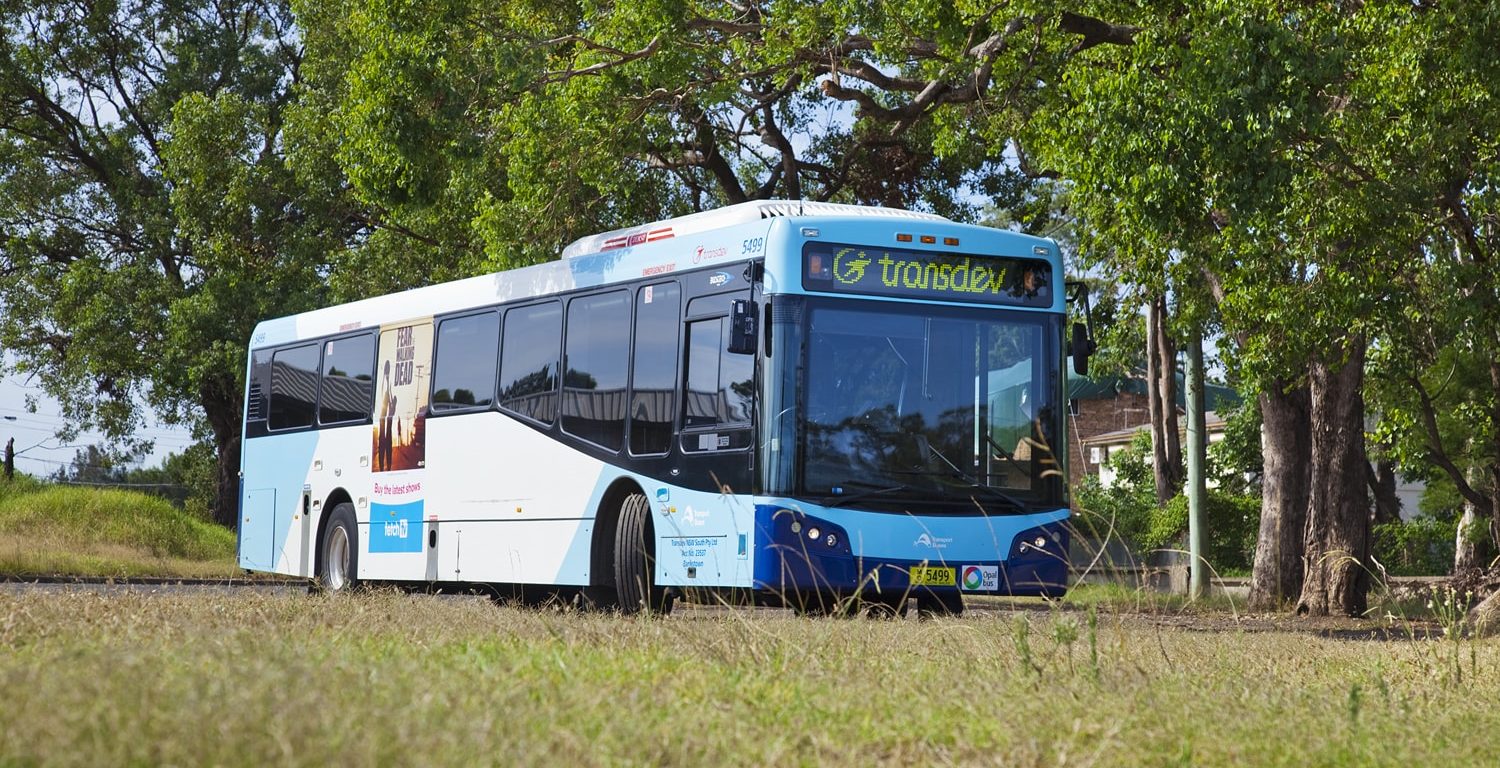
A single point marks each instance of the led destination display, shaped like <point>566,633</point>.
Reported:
<point>918,275</point>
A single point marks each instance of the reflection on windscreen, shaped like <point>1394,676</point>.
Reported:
<point>929,403</point>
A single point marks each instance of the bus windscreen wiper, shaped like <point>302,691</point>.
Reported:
<point>973,483</point>
<point>839,501</point>
<point>1009,500</point>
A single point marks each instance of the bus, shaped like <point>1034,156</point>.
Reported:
<point>777,402</point>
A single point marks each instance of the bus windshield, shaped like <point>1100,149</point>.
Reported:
<point>931,409</point>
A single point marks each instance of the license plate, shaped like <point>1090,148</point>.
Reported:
<point>932,576</point>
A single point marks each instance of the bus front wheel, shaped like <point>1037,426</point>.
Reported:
<point>635,566</point>
<point>339,560</point>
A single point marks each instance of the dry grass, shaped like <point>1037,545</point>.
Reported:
<point>389,679</point>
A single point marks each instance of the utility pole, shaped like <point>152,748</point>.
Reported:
<point>10,459</point>
<point>1197,456</point>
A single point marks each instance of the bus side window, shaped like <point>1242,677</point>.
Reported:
<point>348,383</point>
<point>595,357</point>
<point>463,374</point>
<point>294,386</point>
<point>528,361</point>
<point>653,368</point>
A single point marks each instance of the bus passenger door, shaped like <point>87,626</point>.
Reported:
<point>701,543</point>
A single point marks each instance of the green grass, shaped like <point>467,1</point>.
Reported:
<point>384,678</point>
<point>50,530</point>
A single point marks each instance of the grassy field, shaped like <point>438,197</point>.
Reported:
<point>390,679</point>
<point>58,530</point>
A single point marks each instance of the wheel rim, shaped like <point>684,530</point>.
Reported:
<point>338,558</point>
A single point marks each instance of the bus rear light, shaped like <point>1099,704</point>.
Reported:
<point>903,238</point>
<point>929,239</point>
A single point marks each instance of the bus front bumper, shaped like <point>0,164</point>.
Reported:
<point>801,553</point>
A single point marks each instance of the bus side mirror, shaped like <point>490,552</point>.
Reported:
<point>742,336</point>
<point>1082,347</point>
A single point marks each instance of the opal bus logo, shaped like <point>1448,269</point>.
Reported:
<point>979,578</point>
<point>972,579</point>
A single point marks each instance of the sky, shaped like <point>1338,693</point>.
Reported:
<point>39,453</point>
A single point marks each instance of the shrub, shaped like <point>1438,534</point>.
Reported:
<point>1422,546</point>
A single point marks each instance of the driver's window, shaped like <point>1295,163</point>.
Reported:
<point>1016,443</point>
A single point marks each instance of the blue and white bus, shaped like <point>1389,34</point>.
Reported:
<point>775,402</point>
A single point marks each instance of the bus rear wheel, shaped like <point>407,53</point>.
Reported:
<point>338,562</point>
<point>635,562</point>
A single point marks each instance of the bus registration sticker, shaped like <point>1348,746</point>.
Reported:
<point>932,576</point>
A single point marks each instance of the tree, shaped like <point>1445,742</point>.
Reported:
<point>1232,150</point>
<point>511,127</point>
<point>150,219</point>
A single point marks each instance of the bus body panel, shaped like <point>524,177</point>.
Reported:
<point>279,466</point>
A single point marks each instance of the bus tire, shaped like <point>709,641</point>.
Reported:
<point>635,566</point>
<point>338,562</point>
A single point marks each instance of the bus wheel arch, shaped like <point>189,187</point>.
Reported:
<point>341,544</point>
<point>635,560</point>
<point>601,590</point>
<point>329,504</point>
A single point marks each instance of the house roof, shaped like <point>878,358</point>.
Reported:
<point>1215,396</point>
<point>1212,421</point>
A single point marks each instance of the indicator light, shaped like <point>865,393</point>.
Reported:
<point>832,540</point>
<point>929,239</point>
<point>796,527</point>
<point>903,238</point>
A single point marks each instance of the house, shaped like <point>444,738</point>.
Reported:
<point>1105,413</point>
<point>1097,449</point>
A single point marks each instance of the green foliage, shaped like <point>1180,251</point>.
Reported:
<point>1422,546</point>
<point>149,219</point>
<point>1230,523</point>
<point>1230,520</point>
<point>1129,504</point>
<point>1441,500</point>
<point>506,128</point>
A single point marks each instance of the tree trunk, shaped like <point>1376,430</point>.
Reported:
<point>1383,489</point>
<point>1286,447</point>
<point>1161,400</point>
<point>223,405</point>
<point>1470,544</point>
<point>1494,456</point>
<point>1337,542</point>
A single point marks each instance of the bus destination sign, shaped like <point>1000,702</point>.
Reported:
<point>918,275</point>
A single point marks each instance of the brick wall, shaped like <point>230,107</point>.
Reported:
<point>1095,417</point>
